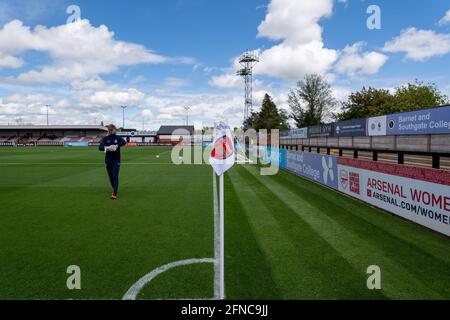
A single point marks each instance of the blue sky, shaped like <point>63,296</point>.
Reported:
<point>158,56</point>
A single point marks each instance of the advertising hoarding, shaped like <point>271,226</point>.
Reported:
<point>323,130</point>
<point>427,121</point>
<point>420,195</point>
<point>377,126</point>
<point>350,128</point>
<point>318,167</point>
<point>76,144</point>
<point>301,133</point>
<point>275,156</point>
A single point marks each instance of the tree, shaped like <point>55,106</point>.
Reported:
<point>418,95</point>
<point>270,117</point>
<point>284,120</point>
<point>373,102</point>
<point>311,101</point>
<point>366,103</point>
<point>249,122</point>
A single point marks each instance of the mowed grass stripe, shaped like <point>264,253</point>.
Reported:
<point>66,221</point>
<point>425,260</point>
<point>399,282</point>
<point>248,273</point>
<point>286,237</point>
<point>31,176</point>
<point>415,235</point>
<point>266,239</point>
<point>306,270</point>
<point>48,155</point>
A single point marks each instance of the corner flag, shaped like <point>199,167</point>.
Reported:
<point>222,155</point>
<point>222,158</point>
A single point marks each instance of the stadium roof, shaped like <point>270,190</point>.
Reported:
<point>168,130</point>
<point>44,127</point>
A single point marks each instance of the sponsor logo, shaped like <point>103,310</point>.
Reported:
<point>343,174</point>
<point>354,183</point>
<point>376,126</point>
<point>327,169</point>
<point>391,124</point>
<point>223,149</point>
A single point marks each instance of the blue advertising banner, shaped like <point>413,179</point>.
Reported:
<point>318,167</point>
<point>427,121</point>
<point>301,133</point>
<point>275,155</point>
<point>323,130</point>
<point>76,144</point>
<point>350,128</point>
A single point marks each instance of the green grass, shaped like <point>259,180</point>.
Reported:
<point>286,237</point>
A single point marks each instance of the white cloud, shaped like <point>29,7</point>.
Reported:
<point>173,82</point>
<point>147,114</point>
<point>293,62</point>
<point>228,80</point>
<point>204,107</point>
<point>445,19</point>
<point>302,50</point>
<point>419,45</point>
<point>341,93</point>
<point>79,50</point>
<point>8,61</point>
<point>295,21</point>
<point>30,109</point>
<point>91,83</point>
<point>29,106</point>
<point>114,98</point>
<point>353,61</point>
<point>31,101</point>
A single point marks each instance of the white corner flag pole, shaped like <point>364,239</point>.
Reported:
<point>222,240</point>
<point>222,158</point>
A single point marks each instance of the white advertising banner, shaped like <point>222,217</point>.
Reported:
<point>377,126</point>
<point>418,194</point>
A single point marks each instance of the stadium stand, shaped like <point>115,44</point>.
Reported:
<point>90,135</point>
<point>167,134</point>
<point>50,135</point>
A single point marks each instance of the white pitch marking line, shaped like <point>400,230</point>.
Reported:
<point>133,292</point>
<point>79,163</point>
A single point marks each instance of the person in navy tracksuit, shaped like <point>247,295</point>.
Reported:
<point>111,145</point>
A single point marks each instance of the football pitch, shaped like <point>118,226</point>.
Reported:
<point>285,237</point>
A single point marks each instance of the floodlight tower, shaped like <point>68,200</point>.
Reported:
<point>187,114</point>
<point>248,60</point>
<point>47,106</point>
<point>123,117</point>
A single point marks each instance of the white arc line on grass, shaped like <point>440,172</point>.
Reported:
<point>133,292</point>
